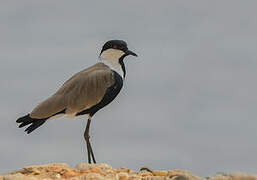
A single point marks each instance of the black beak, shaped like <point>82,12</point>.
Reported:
<point>128,52</point>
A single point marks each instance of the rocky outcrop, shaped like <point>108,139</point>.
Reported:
<point>103,171</point>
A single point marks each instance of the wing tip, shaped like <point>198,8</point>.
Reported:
<point>23,118</point>
<point>33,123</point>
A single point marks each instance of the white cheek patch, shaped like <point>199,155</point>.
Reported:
<point>111,58</point>
<point>111,54</point>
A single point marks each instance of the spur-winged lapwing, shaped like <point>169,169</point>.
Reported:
<point>84,93</point>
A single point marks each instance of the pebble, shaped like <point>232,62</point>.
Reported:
<point>69,173</point>
<point>122,176</point>
<point>96,170</point>
<point>83,166</point>
<point>36,172</point>
<point>86,166</point>
<point>134,177</point>
<point>94,176</point>
<point>122,169</point>
<point>58,176</point>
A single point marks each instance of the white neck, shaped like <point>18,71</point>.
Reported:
<point>110,57</point>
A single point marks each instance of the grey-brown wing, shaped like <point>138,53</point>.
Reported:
<point>80,92</point>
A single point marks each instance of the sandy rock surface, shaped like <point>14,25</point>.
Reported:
<point>101,171</point>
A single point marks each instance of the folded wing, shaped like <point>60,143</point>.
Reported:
<point>82,91</point>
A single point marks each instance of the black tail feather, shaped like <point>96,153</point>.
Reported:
<point>25,120</point>
<point>32,122</point>
<point>22,119</point>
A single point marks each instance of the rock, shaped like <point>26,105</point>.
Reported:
<point>183,174</point>
<point>180,178</point>
<point>243,176</point>
<point>94,176</point>
<point>83,166</point>
<point>122,169</point>
<point>157,178</point>
<point>102,171</point>
<point>122,176</point>
<point>233,176</point>
<point>69,174</point>
<point>58,176</point>
<point>18,176</point>
<point>96,170</point>
<point>86,166</point>
<point>41,172</point>
<point>134,177</point>
<point>160,173</point>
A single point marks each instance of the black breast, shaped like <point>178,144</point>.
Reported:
<point>109,96</point>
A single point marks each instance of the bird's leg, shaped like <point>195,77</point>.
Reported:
<point>92,153</point>
<point>89,147</point>
<point>86,136</point>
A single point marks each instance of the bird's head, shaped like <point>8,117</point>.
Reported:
<point>115,50</point>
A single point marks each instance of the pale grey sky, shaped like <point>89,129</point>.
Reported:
<point>189,100</point>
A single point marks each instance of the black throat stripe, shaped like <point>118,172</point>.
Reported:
<point>122,66</point>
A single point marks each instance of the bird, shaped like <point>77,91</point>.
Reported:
<point>85,93</point>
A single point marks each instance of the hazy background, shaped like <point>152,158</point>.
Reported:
<point>189,100</point>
